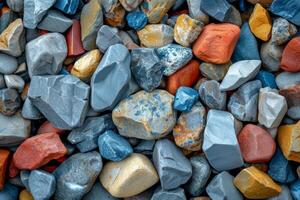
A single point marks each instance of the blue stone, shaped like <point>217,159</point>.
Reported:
<point>246,48</point>
<point>185,99</point>
<point>267,79</point>
<point>243,5</point>
<point>114,147</point>
<point>287,9</point>
<point>63,71</point>
<point>9,192</point>
<point>136,20</point>
<point>280,169</point>
<point>295,189</point>
<point>67,6</point>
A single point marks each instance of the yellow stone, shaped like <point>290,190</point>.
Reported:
<point>260,23</point>
<point>128,177</point>
<point>288,137</point>
<point>85,66</point>
<point>255,184</point>
<point>186,30</point>
<point>25,195</point>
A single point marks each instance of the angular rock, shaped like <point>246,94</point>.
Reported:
<point>106,37</point>
<point>67,6</point>
<point>4,156</point>
<point>271,55</point>
<point>287,9</point>
<point>285,80</point>
<point>7,16</point>
<point>10,101</point>
<point>8,64</point>
<point>267,79</point>
<point>114,13</point>
<point>217,9</point>
<point>284,194</point>
<point>14,82</point>
<point>214,71</point>
<point>136,20</point>
<point>185,99</point>
<point>55,21</point>
<point>282,31</point>
<point>156,9</point>
<point>195,11</point>
<point>15,5</point>
<point>175,194</point>
<point>130,5</point>
<point>290,57</point>
<point>73,38</point>
<point>98,193</point>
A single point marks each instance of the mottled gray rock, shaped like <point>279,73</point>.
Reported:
<point>24,176</point>
<point>214,71</point>
<point>146,68</point>
<point>175,194</point>
<point>8,64</point>
<point>284,194</point>
<point>114,66</point>
<point>55,21</point>
<point>15,5</point>
<point>41,184</point>
<point>14,82</point>
<point>76,176</point>
<point>145,147</point>
<point>195,11</point>
<point>29,111</point>
<point>173,168</point>
<point>98,193</point>
<point>106,37</point>
<point>221,187</point>
<point>287,79</point>
<point>220,143</point>
<point>46,54</point>
<point>63,99</point>
<point>239,73</point>
<point>217,9</point>
<point>145,115</point>
<point>270,54</point>
<point>10,101</point>
<point>282,31</point>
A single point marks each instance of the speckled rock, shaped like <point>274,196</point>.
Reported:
<point>267,79</point>
<point>10,101</point>
<point>15,5</point>
<point>14,82</point>
<point>175,194</point>
<point>55,21</point>
<point>287,9</point>
<point>98,193</point>
<point>8,64</point>
<point>214,71</point>
<point>217,9</point>
<point>106,37</point>
<point>130,5</point>
<point>136,20</point>
<point>185,99</point>
<point>271,55</point>
<point>284,194</point>
<point>282,31</point>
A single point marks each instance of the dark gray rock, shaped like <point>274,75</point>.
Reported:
<point>24,176</point>
<point>8,64</point>
<point>55,21</point>
<point>10,101</point>
<point>2,82</point>
<point>41,184</point>
<point>98,192</point>
<point>175,194</point>
<point>29,111</point>
<point>15,5</point>
<point>282,31</point>
<point>217,9</point>
<point>214,71</point>
<point>106,37</point>
<point>14,82</point>
<point>271,54</point>
<point>234,17</point>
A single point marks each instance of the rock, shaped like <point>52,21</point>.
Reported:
<point>156,35</point>
<point>2,82</point>
<point>221,187</point>
<point>98,193</point>
<point>67,6</point>
<point>73,38</point>
<point>271,108</point>
<point>234,16</point>
<point>106,37</point>
<point>271,55</point>
<point>115,64</point>
<point>8,64</point>
<point>25,195</point>
<point>10,101</point>
<point>255,184</point>
<point>136,20</point>
<point>239,73</point>
<point>24,176</point>
<point>9,192</point>
<point>4,156</point>
<point>76,176</point>
<point>220,144</point>
<point>38,151</point>
<point>267,79</point>
<point>195,11</point>
<point>144,195</point>
<point>294,188</point>
<point>185,99</point>
<point>292,96</point>
<point>130,5</point>
<point>175,194</point>
<point>214,71</point>
<point>282,31</point>
<point>132,176</point>
<point>47,127</point>
<point>216,43</point>
<point>156,9</point>
<point>290,57</point>
<point>114,13</point>
<point>244,102</point>
<point>141,116</point>
<point>285,80</point>
<point>45,54</point>
<point>217,9</point>
<point>55,21</point>
<point>128,39</point>
<point>145,147</point>
<point>91,19</point>
<point>287,9</point>
<point>15,5</point>
<point>14,82</point>
<point>7,16</point>
<point>284,194</point>
<point>41,184</point>
<point>173,168</point>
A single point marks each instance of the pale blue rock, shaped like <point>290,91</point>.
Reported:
<point>98,192</point>
<point>106,37</point>
<point>287,9</point>
<point>175,194</point>
<point>24,176</point>
<point>55,21</point>
<point>8,64</point>
<point>195,11</point>
<point>185,99</point>
<point>287,79</point>
<point>15,5</point>
<point>14,82</point>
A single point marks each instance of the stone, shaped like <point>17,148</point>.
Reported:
<point>255,184</point>
<point>15,5</point>
<point>145,147</point>
<point>292,95</point>
<point>136,20</point>
<point>91,19</point>
<point>130,5</point>
<point>200,174</point>
<point>55,21</point>
<point>185,99</point>
<point>282,31</point>
<point>271,108</point>
<point>12,39</point>
<point>4,156</point>
<point>24,176</point>
<point>114,13</point>
<point>10,101</point>
<point>221,187</point>
<point>8,64</point>
<point>2,82</point>
<point>271,55</point>
<point>156,9</point>
<point>156,35</point>
<point>287,9</point>
<point>45,54</point>
<point>73,38</point>
<point>216,43</point>
<point>98,193</point>
<point>220,143</point>
<point>286,80</point>
<point>86,65</point>
<point>67,6</point>
<point>211,95</point>
<point>294,189</point>
<point>195,11</point>
<point>25,195</point>
<point>106,37</point>
<point>217,9</point>
<point>267,79</point>
<point>244,102</point>
<point>115,64</point>
<point>128,39</point>
<point>290,57</point>
<point>175,194</point>
<point>7,16</point>
<point>239,73</point>
<point>284,194</point>
<point>214,71</point>
<point>14,82</point>
<point>38,150</point>
<point>144,195</point>
<point>48,127</point>
<point>234,16</point>
<point>9,192</point>
<point>186,30</point>
<point>76,176</point>
<point>41,184</point>
<point>131,176</point>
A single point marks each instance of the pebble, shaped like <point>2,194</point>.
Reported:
<point>290,57</point>
<point>287,9</point>
<point>175,194</point>
<point>267,79</point>
<point>295,188</point>
<point>217,9</point>
<point>136,20</point>
<point>4,156</point>
<point>195,11</point>
<point>98,193</point>
<point>286,80</point>
<point>10,101</point>
<point>73,38</point>
<point>55,21</point>
<point>25,195</point>
<point>282,31</point>
<point>8,64</point>
<point>284,194</point>
<point>156,9</point>
<point>145,147</point>
<point>106,37</point>
<point>9,192</point>
<point>271,55</point>
<point>214,71</point>
<point>15,5</point>
<point>14,82</point>
<point>185,99</point>
<point>130,5</point>
<point>67,6</point>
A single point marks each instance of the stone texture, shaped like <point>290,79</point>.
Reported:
<point>145,147</point>
<point>175,194</point>
<point>8,64</point>
<point>106,37</point>
<point>185,99</point>
<point>55,21</point>
<point>130,5</point>
<point>195,11</point>
<point>14,82</point>
<point>73,38</point>
<point>10,101</point>
<point>267,79</point>
<point>271,55</point>
<point>284,194</point>
<point>114,13</point>
<point>7,16</point>
<point>285,80</point>
<point>98,193</point>
<point>15,5</point>
<point>214,71</point>
<point>217,9</point>
<point>282,31</point>
<point>290,57</point>
<point>24,176</point>
<point>156,9</point>
<point>4,156</point>
<point>288,9</point>
<point>136,20</point>
<point>67,6</point>
<point>295,189</point>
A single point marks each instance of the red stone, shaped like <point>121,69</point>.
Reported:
<point>47,127</point>
<point>13,171</point>
<point>37,151</point>
<point>257,145</point>
<point>4,154</point>
<point>290,60</point>
<point>73,37</point>
<point>42,32</point>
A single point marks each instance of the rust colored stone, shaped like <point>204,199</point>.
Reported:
<point>73,37</point>
<point>42,32</point>
<point>13,171</point>
<point>4,154</point>
<point>290,60</point>
<point>47,127</point>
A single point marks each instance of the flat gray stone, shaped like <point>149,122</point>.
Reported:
<point>175,194</point>
<point>284,194</point>
<point>271,54</point>
<point>106,37</point>
<point>15,5</point>
<point>195,11</point>
<point>24,176</point>
<point>282,31</point>
<point>98,192</point>
<point>55,21</point>
<point>8,64</point>
<point>41,184</point>
<point>63,99</point>
<point>10,101</point>
<point>287,79</point>
<point>14,82</point>
<point>29,111</point>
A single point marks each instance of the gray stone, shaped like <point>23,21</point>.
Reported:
<point>195,11</point>
<point>55,21</point>
<point>31,34</point>
<point>287,79</point>
<point>6,18</point>
<point>63,99</point>
<point>214,71</point>
<point>270,54</point>
<point>145,147</point>
<point>243,103</point>
<point>217,9</point>
<point>21,69</point>
<point>15,5</point>
<point>221,187</point>
<point>114,66</point>
<point>239,73</point>
<point>106,37</point>
<point>220,143</point>
<point>175,194</point>
<point>41,184</point>
<point>234,17</point>
<point>282,31</point>
<point>10,101</point>
<point>98,192</point>
<point>76,176</point>
<point>46,54</point>
<point>127,40</point>
<point>146,195</point>
<point>24,176</point>
<point>2,82</point>
<point>284,194</point>
<point>8,64</point>
<point>173,168</point>
<point>14,82</point>
<point>29,111</point>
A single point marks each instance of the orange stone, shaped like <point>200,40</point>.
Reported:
<point>290,60</point>
<point>4,154</point>
<point>13,171</point>
<point>186,76</point>
<point>216,43</point>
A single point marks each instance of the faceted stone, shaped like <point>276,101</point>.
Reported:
<point>175,194</point>
<point>8,64</point>
<point>216,43</point>
<point>45,54</point>
<point>287,9</point>
<point>10,101</point>
<point>195,11</point>
<point>73,38</point>
<point>29,111</point>
<point>271,55</point>
<point>25,195</point>
<point>106,37</point>
<point>271,108</point>
<point>14,82</point>
<point>136,20</point>
<point>156,9</point>
<point>173,168</point>
<point>4,155</point>
<point>282,31</point>
<point>115,65</point>
<point>200,174</point>
<point>244,102</point>
<point>9,192</point>
<point>267,79</point>
<point>41,184</point>
<point>214,71</point>
<point>185,99</point>
<point>211,95</point>
<point>255,184</point>
<point>77,175</point>
<point>67,6</point>
<point>221,187</point>
<point>114,13</point>
<point>290,57</point>
<point>295,189</point>
<point>239,73</point>
<point>55,21</point>
<point>156,35</point>
<point>91,19</point>
<point>284,194</point>
<point>12,39</point>
<point>130,5</point>
<point>285,80</point>
<point>15,5</point>
<point>131,176</point>
<point>98,193</point>
<point>217,9</point>
<point>220,144</point>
